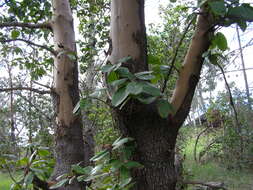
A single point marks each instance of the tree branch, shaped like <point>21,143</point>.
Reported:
<point>217,185</point>
<point>26,88</point>
<point>45,25</point>
<point>190,71</point>
<point>31,43</point>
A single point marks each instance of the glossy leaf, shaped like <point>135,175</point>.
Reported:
<point>119,82</point>
<point>220,41</point>
<point>28,179</point>
<point>243,12</point>
<point>125,59</point>
<point>119,96</point>
<point>112,77</point>
<point>120,142</point>
<point>150,89</point>
<point>59,184</point>
<point>134,88</point>
<point>43,152</point>
<point>99,155</point>
<point>146,100</point>
<point>218,7</point>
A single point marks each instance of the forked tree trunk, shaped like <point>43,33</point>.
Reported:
<point>155,137</point>
<point>69,147</point>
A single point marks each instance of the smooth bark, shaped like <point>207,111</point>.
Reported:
<point>69,147</point>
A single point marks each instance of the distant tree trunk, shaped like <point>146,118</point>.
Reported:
<point>155,137</point>
<point>12,119</point>
<point>69,144</point>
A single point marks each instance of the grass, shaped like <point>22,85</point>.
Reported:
<point>214,171</point>
<point>5,181</point>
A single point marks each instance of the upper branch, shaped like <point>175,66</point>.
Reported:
<point>26,88</point>
<point>190,71</point>
<point>31,43</point>
<point>45,25</point>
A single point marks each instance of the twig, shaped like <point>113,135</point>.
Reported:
<point>230,94</point>
<point>45,25</point>
<point>26,88</point>
<point>31,43</point>
<point>176,52</point>
<point>196,143</point>
<point>46,86</point>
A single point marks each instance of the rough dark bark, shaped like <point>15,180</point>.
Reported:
<point>155,142</point>
<point>155,137</point>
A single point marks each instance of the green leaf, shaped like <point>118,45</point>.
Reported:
<point>112,77</point>
<point>92,177</point>
<point>134,88</point>
<point>218,7</point>
<point>124,173</point>
<point>15,34</point>
<point>107,68</point>
<point>242,24</point>
<point>59,184</point>
<point>146,100</point>
<point>72,179</point>
<point>99,155</point>
<point>164,108</point>
<point>62,176</point>
<point>150,89</point>
<point>146,75</point>
<point>28,179</point>
<point>119,82</point>
<point>243,12</point>
<point>125,59</point>
<point>120,142</point>
<point>125,182</point>
<point>119,96</point>
<point>173,1</point>
<point>125,73</point>
<point>96,169</point>
<point>220,41</point>
<point>22,162</point>
<point>43,152</point>
<point>132,164</point>
<point>80,170</point>
<point>116,164</point>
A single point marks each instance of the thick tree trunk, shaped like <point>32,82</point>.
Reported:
<point>69,145</point>
<point>155,137</point>
<point>155,142</point>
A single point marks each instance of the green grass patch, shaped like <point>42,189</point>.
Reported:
<point>211,170</point>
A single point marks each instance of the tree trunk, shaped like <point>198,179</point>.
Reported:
<point>155,137</point>
<point>155,142</point>
<point>69,145</point>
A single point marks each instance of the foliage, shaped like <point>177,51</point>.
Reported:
<point>111,171</point>
<point>37,166</point>
<point>136,86</point>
